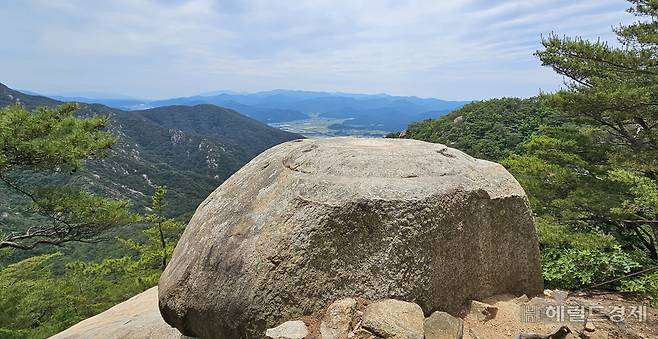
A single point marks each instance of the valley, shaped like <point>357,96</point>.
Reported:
<point>316,126</point>
<point>312,114</point>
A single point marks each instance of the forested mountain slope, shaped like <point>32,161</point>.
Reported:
<point>218,122</point>
<point>490,129</point>
<point>190,149</point>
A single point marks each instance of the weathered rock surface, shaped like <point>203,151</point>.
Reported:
<point>295,329</point>
<point>338,319</point>
<point>441,325</point>
<point>394,319</point>
<point>315,220</point>
<point>135,318</point>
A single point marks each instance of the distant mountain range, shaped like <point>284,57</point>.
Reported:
<point>352,111</point>
<point>191,149</point>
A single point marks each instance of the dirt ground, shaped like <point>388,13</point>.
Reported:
<point>587,315</point>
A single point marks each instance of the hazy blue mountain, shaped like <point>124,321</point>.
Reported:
<point>119,103</point>
<point>379,111</point>
<point>352,111</point>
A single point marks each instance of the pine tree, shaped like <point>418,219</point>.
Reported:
<point>161,236</point>
<point>47,141</point>
<point>613,88</point>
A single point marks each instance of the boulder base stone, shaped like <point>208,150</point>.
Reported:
<point>311,221</point>
<point>337,320</point>
<point>441,325</point>
<point>394,319</point>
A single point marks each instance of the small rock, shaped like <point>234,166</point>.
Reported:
<point>288,330</point>
<point>394,319</point>
<point>482,311</point>
<point>522,299</point>
<point>577,327</point>
<point>561,332</point>
<point>589,326</point>
<point>336,321</point>
<point>560,296</point>
<point>548,293</point>
<point>441,325</point>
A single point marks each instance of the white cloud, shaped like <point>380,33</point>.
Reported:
<point>449,49</point>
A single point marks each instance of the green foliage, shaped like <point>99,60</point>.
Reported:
<point>53,140</point>
<point>490,129</point>
<point>614,89</point>
<point>646,284</point>
<point>642,197</point>
<point>49,138</point>
<point>582,203</point>
<point>191,149</point>
<point>38,298</point>
<point>593,183</point>
<point>35,302</point>
<point>161,237</point>
<point>575,258</point>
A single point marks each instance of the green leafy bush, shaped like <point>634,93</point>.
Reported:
<point>579,259</point>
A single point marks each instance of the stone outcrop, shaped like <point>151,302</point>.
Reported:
<point>135,318</point>
<point>380,319</point>
<point>312,221</point>
<point>441,325</point>
<point>394,319</point>
<point>337,321</point>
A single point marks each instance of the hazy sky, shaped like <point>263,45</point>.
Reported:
<point>452,49</point>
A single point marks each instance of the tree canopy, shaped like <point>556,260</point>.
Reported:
<point>54,140</point>
<point>490,129</point>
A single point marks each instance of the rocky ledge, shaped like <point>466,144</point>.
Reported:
<point>354,318</point>
<point>135,318</point>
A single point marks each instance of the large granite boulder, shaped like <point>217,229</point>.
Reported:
<point>311,221</point>
<point>135,318</point>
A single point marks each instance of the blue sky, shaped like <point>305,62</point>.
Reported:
<point>452,49</point>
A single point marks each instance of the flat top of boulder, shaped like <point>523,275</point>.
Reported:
<point>135,318</point>
<point>373,167</point>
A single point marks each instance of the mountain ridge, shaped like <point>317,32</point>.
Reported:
<point>356,111</point>
<point>191,162</point>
